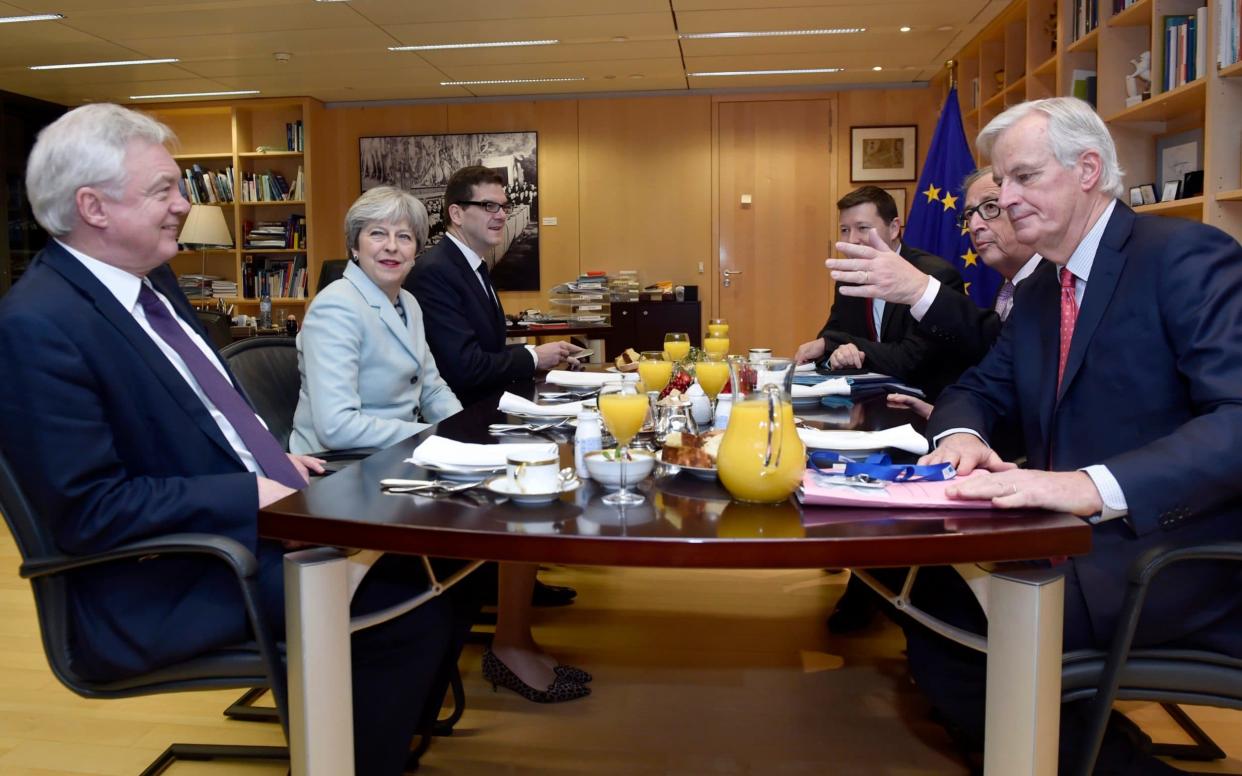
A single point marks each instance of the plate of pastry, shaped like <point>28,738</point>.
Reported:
<point>695,454</point>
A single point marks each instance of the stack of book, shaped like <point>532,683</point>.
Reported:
<point>197,286</point>
<point>287,234</point>
<point>223,288</point>
<point>625,286</point>
<point>207,187</point>
<point>585,300</point>
<point>1185,55</point>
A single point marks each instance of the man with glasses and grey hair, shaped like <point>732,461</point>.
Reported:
<point>1123,370</point>
<point>464,318</point>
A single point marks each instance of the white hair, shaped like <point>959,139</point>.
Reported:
<point>1073,128</point>
<point>387,205</point>
<point>84,147</point>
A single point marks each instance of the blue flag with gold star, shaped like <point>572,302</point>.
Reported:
<point>939,202</point>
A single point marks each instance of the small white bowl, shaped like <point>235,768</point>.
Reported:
<point>608,472</point>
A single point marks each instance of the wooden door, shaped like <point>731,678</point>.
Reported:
<point>779,154</point>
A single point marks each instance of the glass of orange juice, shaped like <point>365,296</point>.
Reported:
<point>624,409</point>
<point>712,373</point>
<point>718,326</point>
<point>717,344</point>
<point>677,345</point>
<point>654,370</point>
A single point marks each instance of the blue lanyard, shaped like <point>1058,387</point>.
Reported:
<point>880,468</point>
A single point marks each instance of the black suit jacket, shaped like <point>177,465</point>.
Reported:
<point>961,326</point>
<point>464,328</point>
<point>1153,391</point>
<point>903,351</point>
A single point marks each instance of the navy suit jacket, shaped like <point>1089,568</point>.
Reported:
<point>1152,390</point>
<point>112,446</point>
<point>464,328</point>
<point>903,351</point>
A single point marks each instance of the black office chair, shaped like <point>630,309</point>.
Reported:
<point>267,370</point>
<point>330,270</point>
<point>1168,676</point>
<point>254,664</point>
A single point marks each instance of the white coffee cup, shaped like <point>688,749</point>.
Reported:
<point>534,472</point>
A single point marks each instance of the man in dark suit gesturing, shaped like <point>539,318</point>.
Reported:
<point>872,334</point>
<point>1123,370</point>
<point>122,423</point>
<point>464,319</point>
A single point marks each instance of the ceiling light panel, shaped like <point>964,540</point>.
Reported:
<point>796,71</point>
<point>177,95</point>
<point>770,33</point>
<point>492,44</point>
<point>113,63</point>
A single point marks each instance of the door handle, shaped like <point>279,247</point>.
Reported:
<point>728,276</point>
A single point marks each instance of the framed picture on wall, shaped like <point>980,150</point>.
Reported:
<point>422,164</point>
<point>899,196</point>
<point>883,153</point>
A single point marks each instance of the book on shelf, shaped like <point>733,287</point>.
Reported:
<point>294,136</point>
<point>1086,17</point>
<point>201,186</point>
<point>1084,85</point>
<point>196,286</point>
<point>282,276</point>
<point>288,234</point>
<point>1183,44</point>
<point>270,186</point>
<point>1229,12</point>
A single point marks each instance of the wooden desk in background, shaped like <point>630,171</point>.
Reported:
<point>348,509</point>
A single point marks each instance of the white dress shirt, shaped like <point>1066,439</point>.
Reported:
<point>920,308</point>
<point>125,287</point>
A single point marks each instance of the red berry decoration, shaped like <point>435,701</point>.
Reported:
<point>680,380</point>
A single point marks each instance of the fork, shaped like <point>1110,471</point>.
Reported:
<point>525,428</point>
<point>439,487</point>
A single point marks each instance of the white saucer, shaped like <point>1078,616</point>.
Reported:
<point>501,485</point>
<point>701,472</point>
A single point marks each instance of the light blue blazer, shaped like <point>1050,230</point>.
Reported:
<point>366,376</point>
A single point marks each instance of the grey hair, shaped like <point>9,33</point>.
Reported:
<point>1073,128</point>
<point>983,172</point>
<point>389,205</point>
<point>84,147</point>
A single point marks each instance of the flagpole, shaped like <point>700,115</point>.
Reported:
<point>951,66</point>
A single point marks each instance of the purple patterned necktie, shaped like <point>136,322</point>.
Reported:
<point>258,440</point>
<point>1004,300</point>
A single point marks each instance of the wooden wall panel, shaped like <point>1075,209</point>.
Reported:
<point>646,200</point>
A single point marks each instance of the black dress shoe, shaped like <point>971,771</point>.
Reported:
<point>856,608</point>
<point>552,595</point>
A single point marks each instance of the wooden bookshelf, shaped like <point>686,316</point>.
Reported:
<point>1213,101</point>
<point>223,135</point>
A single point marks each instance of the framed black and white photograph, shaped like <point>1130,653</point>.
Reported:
<point>1170,191</point>
<point>1178,154</point>
<point>899,196</point>
<point>1149,193</point>
<point>1136,196</point>
<point>422,164</point>
<point>883,153</point>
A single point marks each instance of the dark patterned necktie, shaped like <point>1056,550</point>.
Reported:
<point>258,440</point>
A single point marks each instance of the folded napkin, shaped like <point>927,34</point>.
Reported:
<point>836,386</point>
<point>449,452</point>
<point>581,379</point>
<point>901,437</point>
<point>807,367</point>
<point>519,406</point>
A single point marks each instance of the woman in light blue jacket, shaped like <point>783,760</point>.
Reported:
<point>367,379</point>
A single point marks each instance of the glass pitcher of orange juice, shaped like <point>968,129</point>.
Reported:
<point>761,458</point>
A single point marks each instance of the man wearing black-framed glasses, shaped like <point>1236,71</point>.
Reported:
<point>465,322</point>
<point>947,315</point>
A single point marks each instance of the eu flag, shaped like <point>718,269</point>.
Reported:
<point>939,202</point>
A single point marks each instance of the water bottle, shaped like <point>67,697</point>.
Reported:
<point>265,310</point>
<point>587,439</point>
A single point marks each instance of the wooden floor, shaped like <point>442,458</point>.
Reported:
<point>702,672</point>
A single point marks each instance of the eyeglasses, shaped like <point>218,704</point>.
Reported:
<point>987,210</point>
<point>489,206</point>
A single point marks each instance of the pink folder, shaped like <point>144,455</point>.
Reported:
<point>818,490</point>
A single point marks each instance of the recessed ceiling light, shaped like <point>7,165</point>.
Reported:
<point>771,33</point>
<point>905,29</point>
<point>116,63</point>
<point>511,81</point>
<point>878,67</point>
<point>37,17</point>
<point>769,72</point>
<point>331,1</point>
<point>493,44</point>
<point>192,94</point>
<point>945,28</point>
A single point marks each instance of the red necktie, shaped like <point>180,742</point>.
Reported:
<point>871,321</point>
<point>1069,314</point>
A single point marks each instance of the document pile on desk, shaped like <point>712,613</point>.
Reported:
<point>826,490</point>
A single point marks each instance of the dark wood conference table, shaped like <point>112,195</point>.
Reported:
<point>685,522</point>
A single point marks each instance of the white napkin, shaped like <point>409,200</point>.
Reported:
<point>901,437</point>
<point>580,379</point>
<point>834,386</point>
<point>448,452</point>
<point>807,367</point>
<point>519,406</point>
